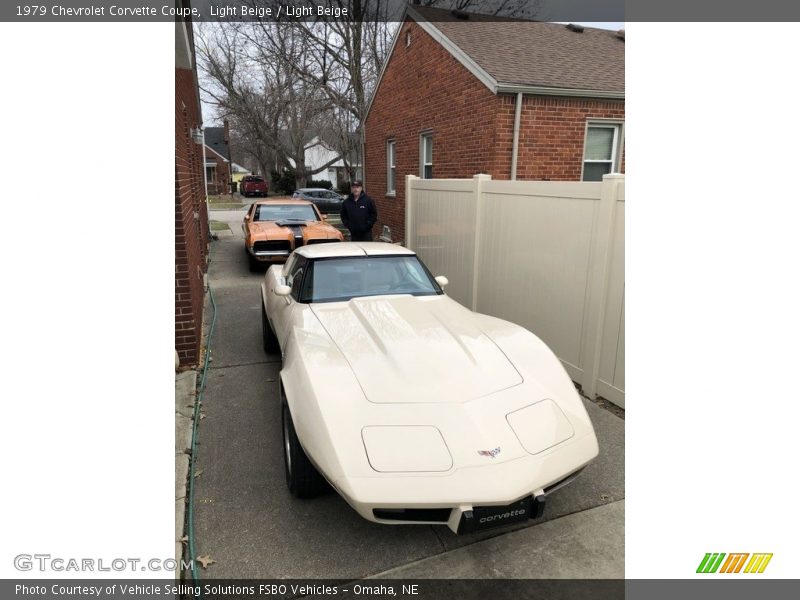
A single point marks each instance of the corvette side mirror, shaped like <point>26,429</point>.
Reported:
<point>324,217</point>
<point>247,217</point>
<point>442,280</point>
<point>282,290</point>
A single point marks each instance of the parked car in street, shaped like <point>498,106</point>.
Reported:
<point>326,201</point>
<point>412,407</point>
<point>273,228</point>
<point>253,185</point>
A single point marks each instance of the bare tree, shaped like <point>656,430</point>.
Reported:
<point>250,74</point>
<point>286,86</point>
<point>240,89</point>
<point>309,113</point>
<point>343,61</point>
<point>255,155</point>
<point>346,56</point>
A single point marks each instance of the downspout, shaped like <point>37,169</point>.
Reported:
<point>198,136</point>
<point>205,169</point>
<point>227,138</point>
<point>361,159</point>
<point>515,143</point>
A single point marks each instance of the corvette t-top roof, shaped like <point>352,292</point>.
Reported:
<point>352,249</point>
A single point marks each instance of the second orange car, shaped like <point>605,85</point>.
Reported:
<point>274,228</point>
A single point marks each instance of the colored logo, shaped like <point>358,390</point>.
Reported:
<point>490,453</point>
<point>734,563</point>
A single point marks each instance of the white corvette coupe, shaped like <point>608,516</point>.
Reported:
<point>414,408</point>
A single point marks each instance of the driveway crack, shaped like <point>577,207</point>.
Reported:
<point>438,537</point>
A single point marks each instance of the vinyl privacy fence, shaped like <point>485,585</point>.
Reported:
<point>549,256</point>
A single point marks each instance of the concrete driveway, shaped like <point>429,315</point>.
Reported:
<point>248,523</point>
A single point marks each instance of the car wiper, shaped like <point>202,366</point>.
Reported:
<point>292,221</point>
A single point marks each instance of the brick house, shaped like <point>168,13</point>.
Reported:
<point>218,159</point>
<point>191,217</point>
<point>465,94</point>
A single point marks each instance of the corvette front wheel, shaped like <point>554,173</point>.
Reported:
<point>302,477</point>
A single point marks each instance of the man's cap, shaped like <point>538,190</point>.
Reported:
<point>356,182</point>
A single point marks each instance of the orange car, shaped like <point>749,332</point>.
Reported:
<point>274,228</point>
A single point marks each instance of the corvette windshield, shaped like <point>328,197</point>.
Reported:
<point>338,279</point>
<point>285,212</point>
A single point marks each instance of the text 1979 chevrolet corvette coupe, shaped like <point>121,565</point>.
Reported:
<point>414,408</point>
<point>273,228</point>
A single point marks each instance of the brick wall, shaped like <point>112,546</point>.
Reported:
<point>551,135</point>
<point>223,176</point>
<point>425,89</point>
<point>220,184</point>
<point>191,232</point>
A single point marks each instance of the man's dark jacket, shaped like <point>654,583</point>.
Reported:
<point>359,215</point>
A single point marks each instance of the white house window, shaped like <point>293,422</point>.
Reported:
<point>427,156</point>
<point>601,151</point>
<point>390,167</point>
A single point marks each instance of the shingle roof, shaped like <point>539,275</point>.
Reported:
<point>535,53</point>
<point>215,139</point>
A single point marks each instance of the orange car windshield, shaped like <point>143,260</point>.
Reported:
<point>285,212</point>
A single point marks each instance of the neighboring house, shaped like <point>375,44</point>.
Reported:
<point>239,172</point>
<point>218,159</point>
<point>318,154</point>
<point>466,94</point>
<point>191,218</point>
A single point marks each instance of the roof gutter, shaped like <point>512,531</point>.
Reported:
<point>513,88</point>
<point>212,150</point>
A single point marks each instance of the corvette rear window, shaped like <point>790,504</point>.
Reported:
<point>339,279</point>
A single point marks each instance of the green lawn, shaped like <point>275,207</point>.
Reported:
<point>224,202</point>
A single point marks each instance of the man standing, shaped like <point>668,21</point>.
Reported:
<point>359,214</point>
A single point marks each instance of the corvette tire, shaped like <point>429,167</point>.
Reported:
<point>269,340</point>
<point>303,480</point>
<point>252,263</point>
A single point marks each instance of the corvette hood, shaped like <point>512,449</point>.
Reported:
<point>416,349</point>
